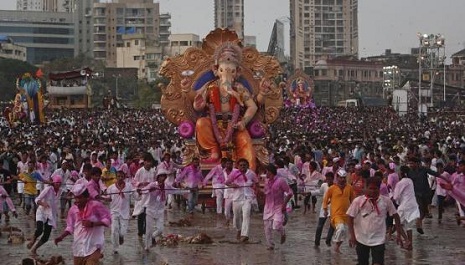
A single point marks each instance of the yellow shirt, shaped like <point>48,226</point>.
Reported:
<point>29,183</point>
<point>108,177</point>
<point>340,200</point>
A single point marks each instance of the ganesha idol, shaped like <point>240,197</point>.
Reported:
<point>222,97</point>
<point>300,87</point>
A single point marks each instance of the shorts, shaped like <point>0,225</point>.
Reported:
<point>340,232</point>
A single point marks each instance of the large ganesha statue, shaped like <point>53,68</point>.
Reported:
<point>223,97</point>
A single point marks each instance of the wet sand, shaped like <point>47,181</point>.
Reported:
<point>441,244</point>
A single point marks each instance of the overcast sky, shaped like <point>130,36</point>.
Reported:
<point>382,24</point>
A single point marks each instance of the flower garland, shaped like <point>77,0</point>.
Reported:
<point>229,131</point>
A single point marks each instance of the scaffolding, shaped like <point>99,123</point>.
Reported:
<point>431,61</point>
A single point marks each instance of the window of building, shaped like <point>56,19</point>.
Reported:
<point>136,42</point>
<point>341,72</point>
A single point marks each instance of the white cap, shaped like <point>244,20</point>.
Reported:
<point>78,189</point>
<point>341,173</point>
<point>336,159</point>
<point>162,171</point>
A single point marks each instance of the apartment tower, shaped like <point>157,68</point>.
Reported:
<point>322,29</point>
<point>230,14</point>
<point>124,17</point>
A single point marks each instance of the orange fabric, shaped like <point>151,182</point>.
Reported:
<point>340,201</point>
<point>206,138</point>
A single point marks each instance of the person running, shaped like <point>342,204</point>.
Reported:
<point>404,196</point>
<point>329,179</point>
<point>367,225</point>
<point>242,180</point>
<point>278,193</point>
<point>340,196</point>
<point>144,176</point>
<point>86,221</point>
<point>119,195</point>
<point>155,207</point>
<point>47,213</point>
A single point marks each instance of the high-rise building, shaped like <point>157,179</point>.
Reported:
<point>230,14</point>
<point>45,5</point>
<point>30,5</point>
<point>84,25</point>
<point>124,17</point>
<point>47,36</point>
<point>322,29</point>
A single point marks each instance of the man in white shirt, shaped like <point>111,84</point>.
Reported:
<point>86,221</point>
<point>242,180</point>
<point>171,168</point>
<point>120,196</point>
<point>312,180</point>
<point>144,176</point>
<point>367,223</point>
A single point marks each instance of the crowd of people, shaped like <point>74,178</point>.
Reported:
<point>367,164</point>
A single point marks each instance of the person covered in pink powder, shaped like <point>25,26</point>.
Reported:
<point>278,193</point>
<point>47,213</point>
<point>86,221</point>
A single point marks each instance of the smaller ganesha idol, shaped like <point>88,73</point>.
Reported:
<point>300,88</point>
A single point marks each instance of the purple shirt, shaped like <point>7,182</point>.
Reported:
<point>95,188</point>
<point>8,200</point>
<point>458,188</point>
<point>191,176</point>
<point>276,190</point>
<point>217,176</point>
<point>87,239</point>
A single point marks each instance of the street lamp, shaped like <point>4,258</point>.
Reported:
<point>429,60</point>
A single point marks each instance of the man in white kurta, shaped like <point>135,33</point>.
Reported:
<point>47,213</point>
<point>404,196</point>
<point>144,176</point>
<point>242,195</point>
<point>155,207</point>
<point>120,196</point>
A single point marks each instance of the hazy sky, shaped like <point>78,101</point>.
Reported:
<point>382,24</point>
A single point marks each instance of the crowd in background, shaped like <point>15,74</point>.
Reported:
<point>340,140</point>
